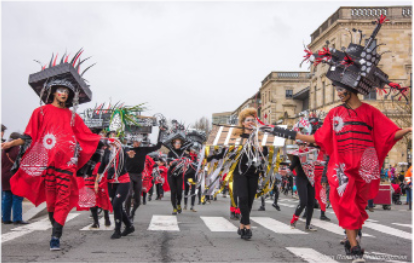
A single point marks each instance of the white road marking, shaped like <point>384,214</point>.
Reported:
<point>310,255</point>
<point>388,230</point>
<point>102,225</point>
<point>219,224</point>
<point>276,226</point>
<point>404,225</point>
<point>384,257</point>
<point>331,227</point>
<point>164,223</point>
<point>43,224</point>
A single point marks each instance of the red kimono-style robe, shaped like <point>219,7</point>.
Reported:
<point>48,167</point>
<point>357,142</point>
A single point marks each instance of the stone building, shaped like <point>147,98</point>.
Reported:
<point>284,95</point>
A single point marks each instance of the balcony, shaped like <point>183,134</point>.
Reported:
<point>364,13</point>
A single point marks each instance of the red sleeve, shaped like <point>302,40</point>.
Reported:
<point>95,171</point>
<point>87,140</point>
<point>33,127</point>
<point>383,134</point>
<point>324,135</point>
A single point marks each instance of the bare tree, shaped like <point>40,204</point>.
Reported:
<point>398,111</point>
<point>203,124</point>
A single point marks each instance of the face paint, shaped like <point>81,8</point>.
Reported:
<point>62,91</point>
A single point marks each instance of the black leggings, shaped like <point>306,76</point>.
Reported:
<point>245,188</point>
<point>176,185</point>
<point>276,192</point>
<point>187,189</point>
<point>118,192</point>
<point>160,190</point>
<point>94,211</point>
<point>306,198</point>
<point>134,192</point>
<point>57,229</point>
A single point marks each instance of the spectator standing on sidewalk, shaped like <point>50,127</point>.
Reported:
<point>9,200</point>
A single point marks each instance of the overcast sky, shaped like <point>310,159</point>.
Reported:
<point>185,59</point>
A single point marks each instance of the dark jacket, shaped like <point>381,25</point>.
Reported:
<point>111,170</point>
<point>137,164</point>
<point>296,165</point>
<point>173,155</point>
<point>8,157</point>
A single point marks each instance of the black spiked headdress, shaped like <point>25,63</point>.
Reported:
<point>65,74</point>
<point>356,67</point>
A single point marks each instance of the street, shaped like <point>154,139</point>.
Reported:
<point>208,235</point>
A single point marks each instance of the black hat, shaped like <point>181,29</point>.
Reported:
<point>356,68</point>
<point>64,74</point>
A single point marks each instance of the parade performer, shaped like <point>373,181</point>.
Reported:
<point>113,166</point>
<point>160,177</point>
<point>246,174</point>
<point>178,166</point>
<point>356,136</point>
<point>56,143</point>
<point>135,167</point>
<point>306,190</point>
<point>147,179</point>
<point>190,180</point>
<point>320,191</point>
<point>102,198</point>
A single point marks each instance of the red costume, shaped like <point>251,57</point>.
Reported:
<point>357,142</point>
<point>48,167</point>
<point>320,192</point>
<point>147,174</point>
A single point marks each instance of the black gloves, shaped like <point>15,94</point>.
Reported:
<point>280,132</point>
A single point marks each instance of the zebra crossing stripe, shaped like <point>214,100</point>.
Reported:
<point>310,255</point>
<point>384,257</point>
<point>42,224</point>
<point>218,224</point>
<point>331,227</point>
<point>163,223</point>
<point>388,230</point>
<point>276,226</point>
<point>102,225</point>
<point>404,225</point>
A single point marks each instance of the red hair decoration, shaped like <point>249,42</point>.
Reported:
<point>348,61</point>
<point>382,19</point>
<point>54,61</point>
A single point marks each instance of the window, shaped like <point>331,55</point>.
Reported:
<point>371,96</point>
<point>323,93</point>
<point>289,93</point>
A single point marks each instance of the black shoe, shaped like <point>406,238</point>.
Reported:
<point>7,222</point>
<point>347,247</point>
<point>237,215</point>
<point>21,222</point>
<point>144,202</point>
<point>215,198</point>
<point>276,206</point>
<point>116,234</point>
<point>324,218</point>
<point>128,230</point>
<point>310,228</point>
<point>232,216</point>
<point>247,234</point>
<point>239,231</point>
<point>94,226</point>
<point>107,222</point>
<point>357,254</point>
<point>262,208</point>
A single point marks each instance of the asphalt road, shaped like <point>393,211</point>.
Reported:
<point>209,236</point>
